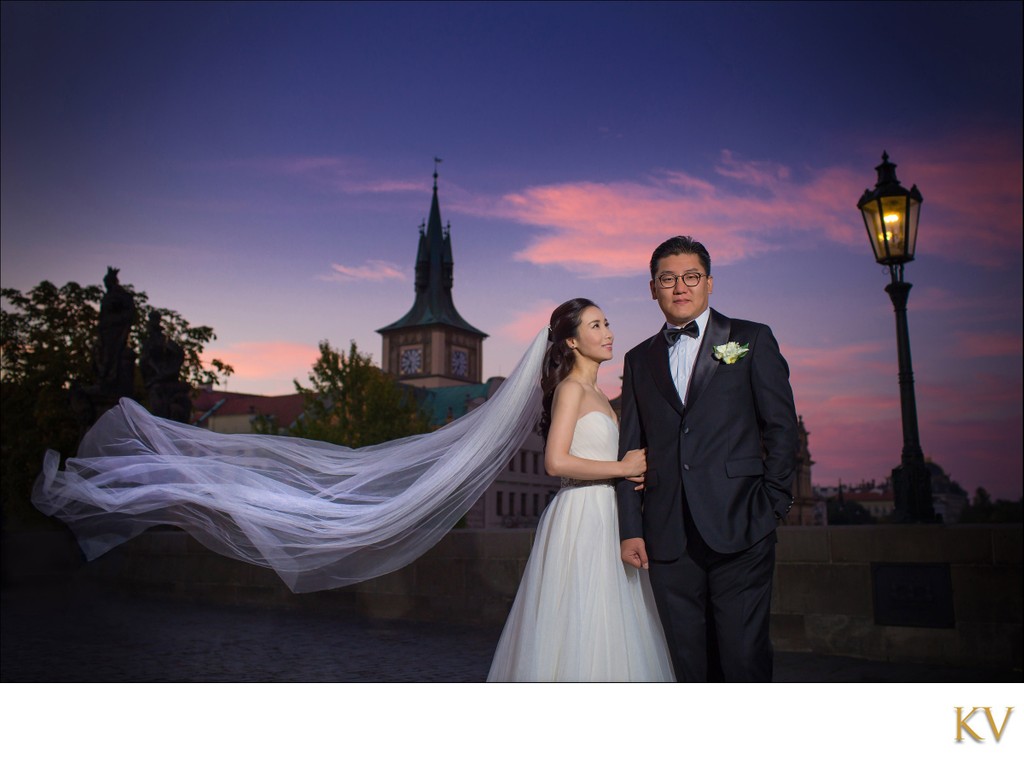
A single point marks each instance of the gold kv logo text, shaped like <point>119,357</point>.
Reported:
<point>963,723</point>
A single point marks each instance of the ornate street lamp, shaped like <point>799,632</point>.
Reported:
<point>890,215</point>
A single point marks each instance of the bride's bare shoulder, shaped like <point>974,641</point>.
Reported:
<point>568,398</point>
<point>569,387</point>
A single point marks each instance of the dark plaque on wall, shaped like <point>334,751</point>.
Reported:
<point>912,594</point>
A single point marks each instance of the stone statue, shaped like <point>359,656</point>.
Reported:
<point>161,362</point>
<point>114,360</point>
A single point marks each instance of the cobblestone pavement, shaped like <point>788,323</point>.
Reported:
<point>80,633</point>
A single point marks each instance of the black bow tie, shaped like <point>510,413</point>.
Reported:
<point>672,334</point>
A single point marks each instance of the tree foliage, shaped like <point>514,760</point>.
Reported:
<point>984,509</point>
<point>47,341</point>
<point>48,336</point>
<point>350,401</point>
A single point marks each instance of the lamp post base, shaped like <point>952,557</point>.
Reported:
<point>912,492</point>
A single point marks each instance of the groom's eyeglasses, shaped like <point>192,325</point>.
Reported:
<point>690,279</point>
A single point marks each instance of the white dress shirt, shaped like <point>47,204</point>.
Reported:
<point>683,354</point>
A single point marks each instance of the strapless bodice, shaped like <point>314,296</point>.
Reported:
<point>596,437</point>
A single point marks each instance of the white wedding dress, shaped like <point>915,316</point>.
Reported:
<point>581,614</point>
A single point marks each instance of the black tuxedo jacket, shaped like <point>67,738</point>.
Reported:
<point>732,450</point>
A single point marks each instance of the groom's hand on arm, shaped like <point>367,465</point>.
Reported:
<point>634,552</point>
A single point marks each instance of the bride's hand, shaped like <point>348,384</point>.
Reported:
<point>634,552</point>
<point>639,481</point>
<point>634,463</point>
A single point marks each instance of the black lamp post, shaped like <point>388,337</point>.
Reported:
<point>890,215</point>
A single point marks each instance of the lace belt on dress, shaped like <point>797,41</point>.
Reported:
<point>569,482</point>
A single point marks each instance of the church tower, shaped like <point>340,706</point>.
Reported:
<point>432,345</point>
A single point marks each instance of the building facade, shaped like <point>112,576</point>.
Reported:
<point>876,497</point>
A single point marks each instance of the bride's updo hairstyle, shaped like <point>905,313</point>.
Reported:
<point>559,359</point>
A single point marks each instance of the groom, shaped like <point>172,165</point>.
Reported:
<point>709,397</point>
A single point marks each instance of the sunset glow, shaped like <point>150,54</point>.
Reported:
<point>265,168</point>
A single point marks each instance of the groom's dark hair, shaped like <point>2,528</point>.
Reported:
<point>677,246</point>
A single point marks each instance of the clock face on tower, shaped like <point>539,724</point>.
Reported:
<point>411,360</point>
<point>460,363</point>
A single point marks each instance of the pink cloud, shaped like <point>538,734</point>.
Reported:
<point>852,450</point>
<point>757,174</point>
<point>857,434</point>
<point>374,271</point>
<point>258,360</point>
<point>933,298</point>
<point>608,229</point>
<point>833,359</point>
<point>526,322</point>
<point>985,453</point>
<point>976,452</point>
<point>971,187</point>
<point>972,209</point>
<point>836,380</point>
<point>853,408</point>
<point>992,398</point>
<point>971,345</point>
<point>343,174</point>
<point>380,186</point>
<point>968,423</point>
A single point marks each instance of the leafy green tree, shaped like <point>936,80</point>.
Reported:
<point>47,339</point>
<point>48,336</point>
<point>350,401</point>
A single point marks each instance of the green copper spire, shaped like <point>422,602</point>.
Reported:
<point>434,277</point>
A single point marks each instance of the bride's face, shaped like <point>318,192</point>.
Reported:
<point>594,335</point>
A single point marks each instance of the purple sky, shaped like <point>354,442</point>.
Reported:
<point>264,169</point>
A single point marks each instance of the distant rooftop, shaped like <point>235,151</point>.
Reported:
<point>210,402</point>
<point>444,404</point>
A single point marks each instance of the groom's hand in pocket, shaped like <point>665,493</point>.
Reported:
<point>634,552</point>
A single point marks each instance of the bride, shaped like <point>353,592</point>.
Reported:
<point>580,614</point>
<point>323,516</point>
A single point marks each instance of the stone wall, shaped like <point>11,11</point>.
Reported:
<point>832,587</point>
<point>925,593</point>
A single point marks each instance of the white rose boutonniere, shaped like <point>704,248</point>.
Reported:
<point>731,352</point>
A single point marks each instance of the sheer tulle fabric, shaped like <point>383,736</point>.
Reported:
<point>321,515</point>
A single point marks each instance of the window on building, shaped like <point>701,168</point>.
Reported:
<point>522,461</point>
<point>522,506</point>
<point>536,463</point>
<point>536,505</point>
<point>498,503</point>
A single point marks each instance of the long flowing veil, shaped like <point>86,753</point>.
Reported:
<point>320,515</point>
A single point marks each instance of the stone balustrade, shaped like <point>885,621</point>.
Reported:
<point>926,593</point>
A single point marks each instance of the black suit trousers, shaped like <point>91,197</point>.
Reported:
<point>715,609</point>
